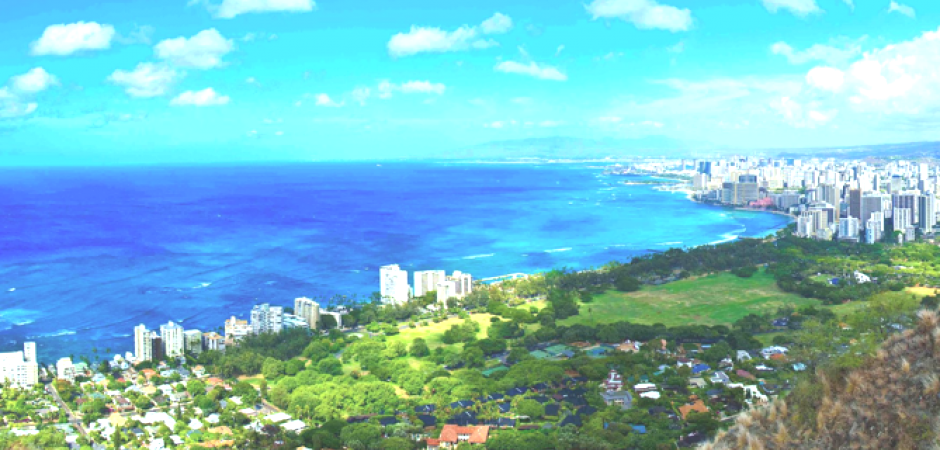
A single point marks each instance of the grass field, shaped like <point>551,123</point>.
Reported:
<point>434,331</point>
<point>712,300</point>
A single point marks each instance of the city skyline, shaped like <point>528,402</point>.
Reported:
<point>83,83</point>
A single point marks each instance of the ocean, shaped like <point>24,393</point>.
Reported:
<point>88,253</point>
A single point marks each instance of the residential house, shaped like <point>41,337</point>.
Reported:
<point>453,435</point>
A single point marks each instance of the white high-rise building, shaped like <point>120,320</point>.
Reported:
<point>446,290</point>
<point>65,370</point>
<point>464,282</point>
<point>143,344</point>
<point>902,219</point>
<point>20,368</point>
<point>308,310</point>
<point>192,340</point>
<point>235,330</point>
<point>427,280</point>
<point>173,343</point>
<point>874,228</point>
<point>394,284</point>
<point>848,228</point>
<point>267,319</point>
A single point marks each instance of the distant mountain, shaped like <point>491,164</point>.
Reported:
<point>561,147</point>
<point>906,150</point>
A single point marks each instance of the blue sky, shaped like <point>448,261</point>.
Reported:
<point>139,81</point>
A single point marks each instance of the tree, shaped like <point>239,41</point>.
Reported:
<point>419,348</point>
<point>530,408</point>
<point>473,356</point>
<point>397,443</point>
<point>272,368</point>
<point>626,283</point>
<point>330,366</point>
<point>365,435</point>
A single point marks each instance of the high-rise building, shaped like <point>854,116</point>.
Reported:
<point>463,281</point>
<point>173,343</point>
<point>192,340</point>
<point>159,352</point>
<point>871,203</point>
<point>267,319</point>
<point>427,280</point>
<point>20,368</point>
<point>874,228</point>
<point>308,310</point>
<point>394,284</point>
<point>848,228</point>
<point>829,194</point>
<point>143,344</point>
<point>65,370</point>
<point>927,212</point>
<point>745,190</point>
<point>235,330</point>
<point>855,204</point>
<point>902,219</point>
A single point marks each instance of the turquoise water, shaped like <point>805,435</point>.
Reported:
<point>87,254</point>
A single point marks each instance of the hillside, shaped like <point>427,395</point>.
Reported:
<point>890,401</point>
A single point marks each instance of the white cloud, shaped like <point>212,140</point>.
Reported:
<point>678,48</point>
<point>205,97</point>
<point>386,88</point>
<point>477,102</point>
<point>202,51</point>
<point>36,80</point>
<point>850,4</point>
<point>800,8</point>
<point>902,9</point>
<point>825,78</point>
<point>495,124</point>
<point>325,100</point>
<point>11,109</point>
<point>531,69</point>
<point>252,80</point>
<point>522,100</point>
<point>436,40</point>
<point>830,54</point>
<point>498,24</point>
<point>231,8</point>
<point>65,39</point>
<point>361,94</point>
<point>550,123</point>
<point>644,14</point>
<point>609,119</point>
<point>560,49</point>
<point>146,80</point>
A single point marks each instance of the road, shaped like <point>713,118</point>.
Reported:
<point>72,418</point>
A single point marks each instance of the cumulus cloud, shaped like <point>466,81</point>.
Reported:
<point>498,24</point>
<point>830,54</point>
<point>644,14</point>
<point>325,100</point>
<point>532,69</point>
<point>205,97</point>
<point>146,80</point>
<point>825,78</point>
<point>230,8</point>
<point>902,9</point>
<point>33,81</point>
<point>435,40</point>
<point>800,8</point>
<point>202,51</point>
<point>65,39</point>
<point>15,98</point>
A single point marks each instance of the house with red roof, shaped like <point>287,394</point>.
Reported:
<point>453,435</point>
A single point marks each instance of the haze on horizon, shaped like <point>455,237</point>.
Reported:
<point>137,81</point>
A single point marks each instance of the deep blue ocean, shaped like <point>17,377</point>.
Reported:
<point>88,253</point>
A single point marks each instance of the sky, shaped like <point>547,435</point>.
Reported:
<point>199,81</point>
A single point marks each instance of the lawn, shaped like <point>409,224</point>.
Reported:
<point>712,300</point>
<point>433,332</point>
